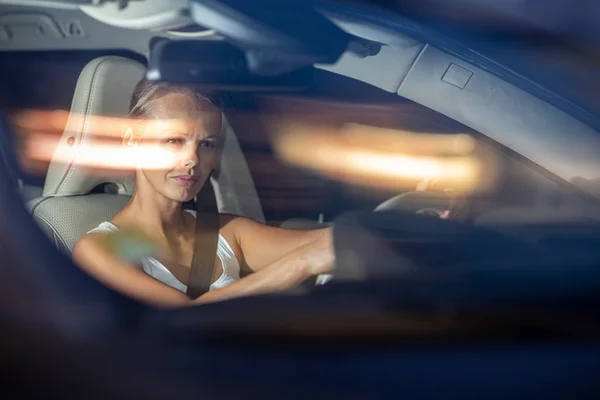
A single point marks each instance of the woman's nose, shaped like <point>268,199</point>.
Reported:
<point>190,156</point>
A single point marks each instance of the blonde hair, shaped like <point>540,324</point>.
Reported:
<point>146,92</point>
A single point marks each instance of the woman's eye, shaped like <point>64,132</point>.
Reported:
<point>207,145</point>
<point>176,141</point>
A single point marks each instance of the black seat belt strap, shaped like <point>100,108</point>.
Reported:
<point>206,241</point>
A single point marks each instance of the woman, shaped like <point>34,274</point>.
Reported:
<point>277,258</point>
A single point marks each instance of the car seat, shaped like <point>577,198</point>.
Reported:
<point>76,198</point>
<point>68,209</point>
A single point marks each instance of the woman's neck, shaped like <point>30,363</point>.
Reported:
<point>155,213</point>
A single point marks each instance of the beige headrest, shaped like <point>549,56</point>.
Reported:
<point>104,88</point>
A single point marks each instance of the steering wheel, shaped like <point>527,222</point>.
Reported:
<point>426,203</point>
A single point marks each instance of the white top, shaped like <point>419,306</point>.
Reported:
<point>154,268</point>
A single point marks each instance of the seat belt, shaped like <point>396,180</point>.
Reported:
<point>205,243</point>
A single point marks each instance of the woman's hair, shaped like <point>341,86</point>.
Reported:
<point>146,92</point>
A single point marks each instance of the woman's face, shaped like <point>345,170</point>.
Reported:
<point>191,134</point>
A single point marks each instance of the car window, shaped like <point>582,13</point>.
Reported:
<point>47,81</point>
<point>289,192</point>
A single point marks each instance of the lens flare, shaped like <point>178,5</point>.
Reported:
<point>100,155</point>
<point>372,156</point>
<point>42,136</point>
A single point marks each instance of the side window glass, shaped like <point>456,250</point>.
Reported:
<point>525,186</point>
<point>289,192</point>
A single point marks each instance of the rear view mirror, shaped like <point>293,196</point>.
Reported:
<point>219,66</point>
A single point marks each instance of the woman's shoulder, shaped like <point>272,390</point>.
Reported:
<point>227,219</point>
<point>94,236</point>
<point>89,245</point>
<point>111,243</point>
<point>237,227</point>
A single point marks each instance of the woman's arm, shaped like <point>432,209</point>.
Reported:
<point>260,245</point>
<point>90,254</point>
<point>282,258</point>
<point>314,255</point>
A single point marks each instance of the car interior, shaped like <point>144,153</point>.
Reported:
<point>491,292</point>
<point>88,59</point>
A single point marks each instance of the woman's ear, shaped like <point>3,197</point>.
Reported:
<point>129,139</point>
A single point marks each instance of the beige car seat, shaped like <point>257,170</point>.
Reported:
<point>68,209</point>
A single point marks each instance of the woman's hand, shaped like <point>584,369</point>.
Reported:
<point>322,254</point>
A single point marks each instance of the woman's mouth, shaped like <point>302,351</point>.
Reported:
<point>186,180</point>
